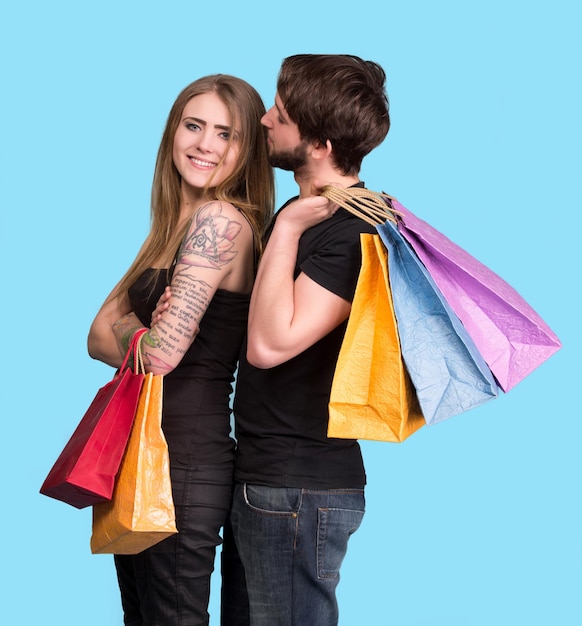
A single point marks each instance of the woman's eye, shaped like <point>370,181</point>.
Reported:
<point>192,126</point>
<point>225,135</point>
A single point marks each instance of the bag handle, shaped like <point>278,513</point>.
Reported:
<point>371,206</point>
<point>133,350</point>
<point>138,359</point>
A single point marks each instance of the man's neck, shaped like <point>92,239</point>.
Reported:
<point>306,182</point>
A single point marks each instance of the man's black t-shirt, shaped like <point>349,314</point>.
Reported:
<point>281,413</point>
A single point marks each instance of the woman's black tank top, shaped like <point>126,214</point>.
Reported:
<point>196,410</point>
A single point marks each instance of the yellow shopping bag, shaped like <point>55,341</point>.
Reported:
<point>141,512</point>
<point>372,396</point>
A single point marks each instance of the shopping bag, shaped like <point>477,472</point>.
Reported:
<point>141,512</point>
<point>512,338</point>
<point>372,396</point>
<point>84,473</point>
<point>448,372</point>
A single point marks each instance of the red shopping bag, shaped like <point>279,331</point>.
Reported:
<point>141,512</point>
<point>85,471</point>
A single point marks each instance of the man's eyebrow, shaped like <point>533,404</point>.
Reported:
<point>281,113</point>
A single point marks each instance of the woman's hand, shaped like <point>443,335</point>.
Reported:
<point>162,305</point>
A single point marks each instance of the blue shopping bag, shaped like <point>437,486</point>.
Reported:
<point>446,368</point>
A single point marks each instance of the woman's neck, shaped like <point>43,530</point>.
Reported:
<point>191,199</point>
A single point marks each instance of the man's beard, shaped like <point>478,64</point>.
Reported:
<point>291,160</point>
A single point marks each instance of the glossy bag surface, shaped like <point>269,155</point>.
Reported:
<point>513,339</point>
<point>141,512</point>
<point>84,473</point>
<point>372,396</point>
<point>447,370</point>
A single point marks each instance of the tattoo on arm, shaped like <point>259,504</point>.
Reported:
<point>124,329</point>
<point>180,325</point>
<point>209,243</point>
<point>150,359</point>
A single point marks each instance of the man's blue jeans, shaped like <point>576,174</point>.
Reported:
<point>292,543</point>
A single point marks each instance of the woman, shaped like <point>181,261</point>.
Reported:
<point>212,196</point>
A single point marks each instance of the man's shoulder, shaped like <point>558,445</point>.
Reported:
<point>345,225</point>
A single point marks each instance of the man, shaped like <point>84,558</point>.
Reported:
<point>299,494</point>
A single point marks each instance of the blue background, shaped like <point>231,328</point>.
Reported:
<point>473,522</point>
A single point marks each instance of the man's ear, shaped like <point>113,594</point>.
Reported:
<point>321,151</point>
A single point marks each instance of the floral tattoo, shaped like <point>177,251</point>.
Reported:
<point>208,244</point>
<point>211,241</point>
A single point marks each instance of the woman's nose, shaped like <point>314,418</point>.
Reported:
<point>204,142</point>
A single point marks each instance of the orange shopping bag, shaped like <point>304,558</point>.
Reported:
<point>372,396</point>
<point>141,512</point>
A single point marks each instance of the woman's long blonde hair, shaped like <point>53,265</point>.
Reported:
<point>250,187</point>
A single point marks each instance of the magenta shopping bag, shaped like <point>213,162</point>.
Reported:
<point>512,338</point>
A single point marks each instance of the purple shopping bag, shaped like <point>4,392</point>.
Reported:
<point>512,338</point>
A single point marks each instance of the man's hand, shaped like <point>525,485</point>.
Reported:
<point>304,213</point>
